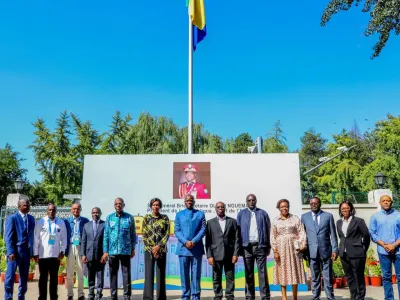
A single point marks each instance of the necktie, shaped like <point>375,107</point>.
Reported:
<point>316,222</point>
<point>26,223</point>
<point>94,228</point>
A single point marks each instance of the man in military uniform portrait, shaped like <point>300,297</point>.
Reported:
<point>191,186</point>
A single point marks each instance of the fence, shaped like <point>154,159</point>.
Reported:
<point>36,211</point>
<point>355,197</point>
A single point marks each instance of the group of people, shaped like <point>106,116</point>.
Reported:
<point>291,239</point>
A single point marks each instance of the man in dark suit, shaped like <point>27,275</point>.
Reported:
<point>354,243</point>
<point>322,247</point>
<point>255,227</point>
<point>222,245</point>
<point>19,231</point>
<point>92,252</point>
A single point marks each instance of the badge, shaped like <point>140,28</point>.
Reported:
<point>52,239</point>
<point>76,241</point>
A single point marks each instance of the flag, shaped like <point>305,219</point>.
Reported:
<point>197,14</point>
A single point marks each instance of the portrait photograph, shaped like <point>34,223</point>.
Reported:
<point>192,178</point>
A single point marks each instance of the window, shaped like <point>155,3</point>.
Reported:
<point>141,268</point>
<point>173,248</point>
<point>141,248</point>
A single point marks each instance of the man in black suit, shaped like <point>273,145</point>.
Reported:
<point>354,243</point>
<point>92,252</point>
<point>222,245</point>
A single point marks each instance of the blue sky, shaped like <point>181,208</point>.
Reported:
<point>261,61</point>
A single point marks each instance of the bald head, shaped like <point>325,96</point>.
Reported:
<point>386,202</point>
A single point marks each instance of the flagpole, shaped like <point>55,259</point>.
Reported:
<point>190,88</point>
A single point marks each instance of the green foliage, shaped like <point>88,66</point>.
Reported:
<point>10,170</point>
<point>384,18</point>
<point>275,141</point>
<point>375,270</point>
<point>60,153</point>
<point>337,269</point>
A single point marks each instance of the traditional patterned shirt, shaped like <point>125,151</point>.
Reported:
<point>155,232</point>
<point>119,234</point>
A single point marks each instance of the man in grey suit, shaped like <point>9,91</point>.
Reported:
<point>322,247</point>
<point>92,252</point>
<point>222,245</point>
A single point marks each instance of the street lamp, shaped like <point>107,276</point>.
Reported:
<point>19,184</point>
<point>380,180</point>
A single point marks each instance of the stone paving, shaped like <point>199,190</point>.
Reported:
<point>373,293</point>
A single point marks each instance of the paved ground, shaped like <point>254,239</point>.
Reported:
<point>373,293</point>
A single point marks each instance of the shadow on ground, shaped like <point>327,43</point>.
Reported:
<point>307,297</point>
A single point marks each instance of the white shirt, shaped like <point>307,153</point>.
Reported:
<point>22,215</point>
<point>253,233</point>
<point>318,218</point>
<point>222,223</point>
<point>76,229</point>
<point>41,245</point>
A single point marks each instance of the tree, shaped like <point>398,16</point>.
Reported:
<point>240,143</point>
<point>384,18</point>
<point>275,141</point>
<point>10,170</point>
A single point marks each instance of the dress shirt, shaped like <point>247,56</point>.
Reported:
<point>385,226</point>
<point>119,234</point>
<point>222,222</point>
<point>318,216</point>
<point>253,233</point>
<point>345,225</point>
<point>75,229</point>
<point>41,245</point>
<point>95,226</point>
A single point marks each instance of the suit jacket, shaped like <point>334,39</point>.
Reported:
<point>69,222</point>
<point>92,246</point>
<point>16,236</point>
<point>190,225</point>
<point>222,245</point>
<point>323,241</point>
<point>357,239</point>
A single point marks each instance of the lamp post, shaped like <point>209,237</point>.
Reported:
<point>380,180</point>
<point>19,184</point>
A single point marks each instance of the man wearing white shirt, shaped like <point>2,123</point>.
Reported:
<point>50,242</point>
<point>222,245</point>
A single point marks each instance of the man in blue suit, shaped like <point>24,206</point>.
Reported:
<point>190,228</point>
<point>322,247</point>
<point>19,233</point>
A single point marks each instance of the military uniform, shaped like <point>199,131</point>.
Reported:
<point>196,189</point>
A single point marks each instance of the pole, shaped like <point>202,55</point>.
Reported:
<point>190,88</point>
<point>328,160</point>
<point>259,144</point>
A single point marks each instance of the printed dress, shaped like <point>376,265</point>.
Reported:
<point>289,269</point>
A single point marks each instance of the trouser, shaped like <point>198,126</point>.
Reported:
<point>48,266</point>
<point>316,264</point>
<point>190,270</point>
<point>74,261</point>
<point>95,269</point>
<point>354,271</point>
<point>21,261</point>
<point>386,262</point>
<point>229,269</point>
<point>149,264</point>
<point>252,253</point>
<point>114,262</point>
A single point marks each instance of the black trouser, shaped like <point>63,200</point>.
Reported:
<point>126,275</point>
<point>253,253</point>
<point>95,269</point>
<point>149,262</point>
<point>48,266</point>
<point>354,271</point>
<point>229,269</point>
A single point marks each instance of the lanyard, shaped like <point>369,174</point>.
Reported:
<point>54,231</point>
<point>76,227</point>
